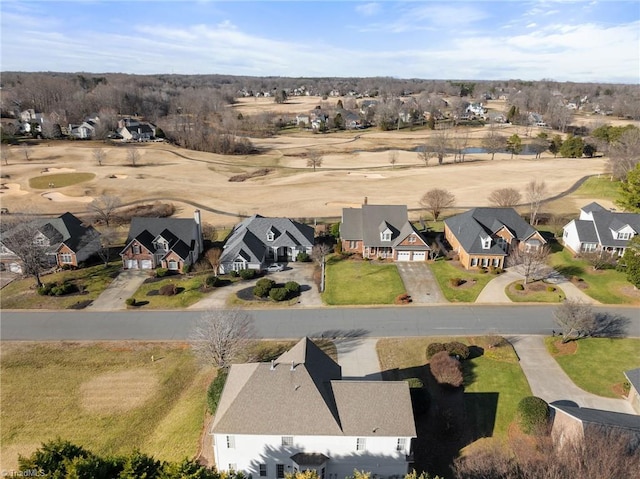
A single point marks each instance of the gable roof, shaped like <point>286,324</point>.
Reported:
<point>249,237</point>
<point>301,393</point>
<point>366,224</point>
<point>633,376</point>
<point>598,417</point>
<point>475,224</point>
<point>181,233</point>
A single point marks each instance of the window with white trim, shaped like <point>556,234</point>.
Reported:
<point>263,470</point>
<point>412,239</point>
<point>624,236</point>
<point>486,242</point>
<point>474,261</point>
<point>353,244</point>
<point>385,235</point>
<point>40,241</point>
<point>66,258</point>
<point>231,442</point>
<point>287,440</point>
<point>136,249</point>
<point>173,264</point>
<point>485,262</point>
<point>402,444</point>
<point>361,444</point>
<point>270,236</point>
<point>496,262</point>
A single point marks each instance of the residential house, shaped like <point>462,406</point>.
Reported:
<point>257,240</point>
<point>297,413</point>
<point>571,423</point>
<point>476,109</point>
<point>382,231</point>
<point>170,243</point>
<point>67,241</point>
<point>131,129</point>
<point>633,377</point>
<point>84,131</point>
<point>484,237</point>
<point>303,120</point>
<point>598,229</point>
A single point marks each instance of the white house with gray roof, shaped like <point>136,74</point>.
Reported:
<point>382,231</point>
<point>599,229</point>
<point>257,241</point>
<point>296,413</point>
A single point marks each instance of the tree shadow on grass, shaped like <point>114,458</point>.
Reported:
<point>570,270</point>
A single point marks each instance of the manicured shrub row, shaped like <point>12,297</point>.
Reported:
<point>533,415</point>
<point>57,289</point>
<point>453,348</point>
<point>215,390</point>
<point>247,273</point>
<point>267,287</point>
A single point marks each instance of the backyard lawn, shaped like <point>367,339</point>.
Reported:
<point>356,281</point>
<point>90,281</point>
<point>599,187</point>
<point>607,286</point>
<point>474,282</point>
<point>596,364</point>
<point>108,397</point>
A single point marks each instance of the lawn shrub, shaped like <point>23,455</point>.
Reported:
<point>186,268</point>
<point>533,415</point>
<point>494,270</point>
<point>456,282</point>
<point>168,290</point>
<point>247,273</point>
<point>483,270</point>
<point>434,348</point>
<point>403,298</point>
<point>161,272</point>
<point>130,301</point>
<point>415,383</point>
<point>45,289</point>
<point>57,289</point>
<point>263,287</point>
<point>233,274</point>
<point>278,294</point>
<point>303,257</point>
<point>456,348</point>
<point>213,281</point>
<point>215,390</point>
<point>446,369</point>
<point>292,287</point>
<point>550,289</point>
<point>519,287</point>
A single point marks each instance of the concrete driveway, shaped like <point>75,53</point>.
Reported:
<point>420,282</point>
<point>122,287</point>
<point>358,359</point>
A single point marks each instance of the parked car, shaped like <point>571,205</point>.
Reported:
<point>274,268</point>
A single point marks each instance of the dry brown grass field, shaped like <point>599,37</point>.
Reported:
<point>355,165</point>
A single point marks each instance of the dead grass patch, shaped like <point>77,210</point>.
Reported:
<point>114,393</point>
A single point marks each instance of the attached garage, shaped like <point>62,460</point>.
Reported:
<point>404,255</point>
<point>146,264</point>
<point>132,264</point>
<point>419,256</point>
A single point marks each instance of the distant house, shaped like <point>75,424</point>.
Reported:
<point>571,423</point>
<point>382,231</point>
<point>131,129</point>
<point>84,131</point>
<point>598,229</point>
<point>168,243</point>
<point>484,237</point>
<point>67,241</point>
<point>303,120</point>
<point>296,413</point>
<point>633,376</point>
<point>257,241</point>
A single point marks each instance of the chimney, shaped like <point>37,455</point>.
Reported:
<point>273,364</point>
<point>198,220</point>
<point>293,366</point>
<point>366,200</point>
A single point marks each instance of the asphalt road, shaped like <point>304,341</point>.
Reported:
<point>295,323</point>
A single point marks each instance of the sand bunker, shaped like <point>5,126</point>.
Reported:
<point>13,189</point>
<point>114,393</point>
<point>60,170</point>
<point>367,175</point>
<point>59,197</point>
<point>119,177</point>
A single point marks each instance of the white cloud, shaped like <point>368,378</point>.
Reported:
<point>368,9</point>
<point>532,25</point>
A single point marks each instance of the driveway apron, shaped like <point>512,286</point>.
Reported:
<point>549,382</point>
<point>358,359</point>
<point>420,283</point>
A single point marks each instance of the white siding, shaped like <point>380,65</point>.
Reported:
<point>570,237</point>
<point>380,457</point>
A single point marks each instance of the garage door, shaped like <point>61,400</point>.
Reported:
<point>15,268</point>
<point>419,256</point>
<point>146,264</point>
<point>404,255</point>
<point>132,264</point>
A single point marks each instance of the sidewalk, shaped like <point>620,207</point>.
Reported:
<point>549,382</point>
<point>359,359</point>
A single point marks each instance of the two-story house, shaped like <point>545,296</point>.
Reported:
<point>296,414</point>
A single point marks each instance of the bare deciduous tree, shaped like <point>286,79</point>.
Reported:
<point>599,259</point>
<point>104,207</point>
<point>209,232</point>
<point>393,158</point>
<point>213,257</point>
<point>26,151</point>
<point>314,159</point>
<point>505,197</point>
<point>436,200</point>
<point>21,235</point>
<point>220,336</point>
<point>575,319</point>
<point>425,153</point>
<point>99,155</point>
<point>439,141</point>
<point>6,153</point>
<point>624,154</point>
<point>319,253</point>
<point>534,193</point>
<point>108,238</point>
<point>531,261</point>
<point>133,156</point>
<point>493,141</point>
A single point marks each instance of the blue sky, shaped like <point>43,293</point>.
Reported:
<point>564,40</point>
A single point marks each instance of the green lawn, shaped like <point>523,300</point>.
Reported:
<point>444,271</point>
<point>598,363</point>
<point>107,397</point>
<point>537,292</point>
<point>21,293</point>
<point>607,286</point>
<point>59,180</point>
<point>494,382</point>
<point>602,187</point>
<point>189,292</point>
<point>351,281</point>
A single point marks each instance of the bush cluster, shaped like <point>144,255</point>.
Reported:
<point>533,415</point>
<point>453,348</point>
<point>446,370</point>
<point>213,281</point>
<point>278,294</point>
<point>233,274</point>
<point>57,289</point>
<point>434,348</point>
<point>266,287</point>
<point>456,282</point>
<point>168,289</point>
<point>292,287</point>
<point>215,390</point>
<point>161,272</point>
<point>262,287</point>
<point>247,273</point>
<point>130,301</point>
<point>494,270</point>
<point>303,257</point>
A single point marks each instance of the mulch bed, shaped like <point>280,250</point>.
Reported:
<point>565,349</point>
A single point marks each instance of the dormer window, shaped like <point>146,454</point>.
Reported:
<point>385,235</point>
<point>625,235</point>
<point>270,236</point>
<point>486,242</point>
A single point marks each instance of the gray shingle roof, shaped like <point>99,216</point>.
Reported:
<point>605,221</point>
<point>180,233</point>
<point>633,376</point>
<point>586,231</point>
<point>598,417</point>
<point>301,394</point>
<point>369,221</point>
<point>477,223</point>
